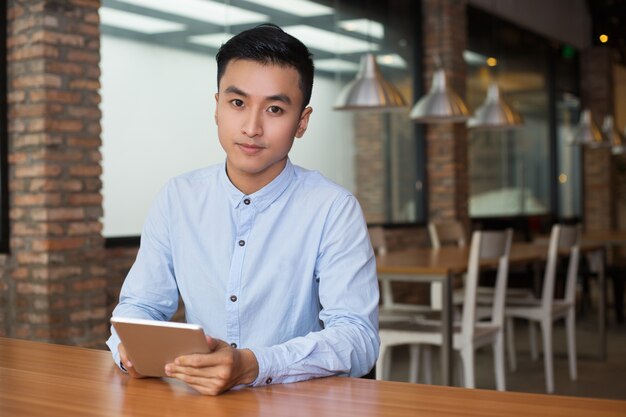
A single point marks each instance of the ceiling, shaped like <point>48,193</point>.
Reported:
<point>609,17</point>
<point>336,36</point>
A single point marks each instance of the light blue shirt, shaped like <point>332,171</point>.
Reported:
<point>287,272</point>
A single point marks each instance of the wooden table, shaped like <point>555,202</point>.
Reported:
<point>44,380</point>
<point>419,265</point>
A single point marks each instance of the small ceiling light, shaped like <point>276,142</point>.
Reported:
<point>369,91</point>
<point>492,62</point>
<point>562,178</point>
<point>495,113</point>
<point>603,38</point>
<point>441,104</point>
<point>586,132</point>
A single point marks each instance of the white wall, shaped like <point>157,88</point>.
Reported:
<point>157,118</point>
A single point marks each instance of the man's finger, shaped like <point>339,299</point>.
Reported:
<point>127,364</point>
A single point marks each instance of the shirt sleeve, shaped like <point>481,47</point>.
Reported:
<point>348,293</point>
<point>149,290</point>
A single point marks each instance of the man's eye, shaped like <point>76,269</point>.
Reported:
<point>236,102</point>
<point>274,109</point>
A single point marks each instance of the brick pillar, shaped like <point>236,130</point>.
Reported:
<point>446,144</point>
<point>597,95</point>
<point>371,165</point>
<point>57,281</point>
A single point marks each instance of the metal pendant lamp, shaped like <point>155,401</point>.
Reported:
<point>613,137</point>
<point>369,91</point>
<point>441,104</point>
<point>586,132</point>
<point>495,113</point>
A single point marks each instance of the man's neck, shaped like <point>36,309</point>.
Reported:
<point>251,183</point>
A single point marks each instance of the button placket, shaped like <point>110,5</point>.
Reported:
<point>245,221</point>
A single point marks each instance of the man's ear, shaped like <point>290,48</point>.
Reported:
<point>217,96</point>
<point>304,121</point>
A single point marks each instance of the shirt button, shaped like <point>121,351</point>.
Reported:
<point>242,242</point>
<point>268,381</point>
<point>233,298</point>
<point>246,201</point>
<point>234,345</point>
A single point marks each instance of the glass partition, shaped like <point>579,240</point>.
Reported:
<point>158,85</point>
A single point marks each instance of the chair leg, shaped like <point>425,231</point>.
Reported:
<point>467,357</point>
<point>414,363</point>
<point>510,338</point>
<point>383,363</point>
<point>428,364</point>
<point>571,343</point>
<point>532,338</point>
<point>546,329</point>
<point>498,363</point>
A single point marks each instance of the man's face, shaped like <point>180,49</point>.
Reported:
<point>258,114</point>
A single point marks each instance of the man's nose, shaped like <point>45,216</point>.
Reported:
<point>252,125</point>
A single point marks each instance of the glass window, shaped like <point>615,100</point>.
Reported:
<point>158,85</point>
<point>518,172</point>
<point>509,170</point>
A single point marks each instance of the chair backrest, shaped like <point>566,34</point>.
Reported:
<point>562,238</point>
<point>377,237</point>
<point>486,245</point>
<point>446,234</point>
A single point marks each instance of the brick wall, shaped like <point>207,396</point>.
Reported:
<point>55,275</point>
<point>597,95</point>
<point>446,155</point>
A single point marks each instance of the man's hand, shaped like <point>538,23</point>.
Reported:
<point>128,365</point>
<point>215,372</point>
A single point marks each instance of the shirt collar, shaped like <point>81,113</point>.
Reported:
<point>266,195</point>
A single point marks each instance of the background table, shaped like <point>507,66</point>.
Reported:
<point>430,265</point>
<point>44,380</point>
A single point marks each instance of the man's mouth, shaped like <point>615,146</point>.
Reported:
<point>250,148</point>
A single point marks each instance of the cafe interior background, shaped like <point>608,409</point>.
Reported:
<point>105,100</point>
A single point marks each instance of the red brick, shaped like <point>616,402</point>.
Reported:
<point>52,245</point>
<point>28,288</point>
<point>84,84</point>
<point>59,214</point>
<point>76,55</point>
<point>65,125</point>
<point>38,80</point>
<point>89,285</point>
<point>95,142</point>
<point>32,258</point>
<point>84,228</point>
<point>39,170</point>
<point>84,199</point>
<point>41,199</point>
<point>85,170</point>
<point>36,139</point>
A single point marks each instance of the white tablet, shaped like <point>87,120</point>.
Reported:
<point>151,344</point>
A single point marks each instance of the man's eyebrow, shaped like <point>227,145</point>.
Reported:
<point>235,90</point>
<point>280,97</point>
<point>275,97</point>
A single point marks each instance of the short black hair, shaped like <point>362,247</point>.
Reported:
<point>269,44</point>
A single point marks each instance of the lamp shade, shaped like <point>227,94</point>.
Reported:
<point>369,90</point>
<point>441,104</point>
<point>495,113</point>
<point>586,132</point>
<point>613,137</point>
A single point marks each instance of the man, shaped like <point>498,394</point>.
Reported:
<point>272,260</point>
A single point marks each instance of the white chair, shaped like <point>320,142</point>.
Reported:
<point>546,310</point>
<point>469,334</point>
<point>445,233</point>
<point>391,310</point>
